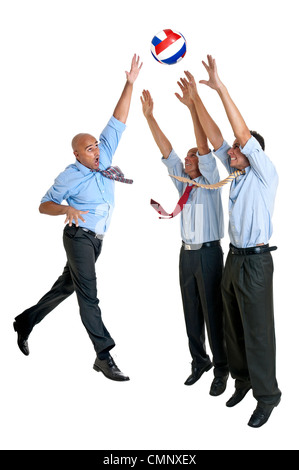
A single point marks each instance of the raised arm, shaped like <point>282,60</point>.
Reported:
<point>186,99</point>
<point>235,118</point>
<point>121,110</point>
<point>209,126</point>
<point>161,140</point>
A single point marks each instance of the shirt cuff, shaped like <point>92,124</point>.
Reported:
<point>172,159</point>
<point>204,158</point>
<point>47,198</point>
<point>121,126</point>
<point>251,145</point>
<point>224,146</point>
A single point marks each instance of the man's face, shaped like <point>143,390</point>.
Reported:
<point>237,158</point>
<point>87,151</point>
<point>191,164</point>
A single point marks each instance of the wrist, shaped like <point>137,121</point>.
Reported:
<point>149,117</point>
<point>203,149</point>
<point>221,89</point>
<point>191,106</point>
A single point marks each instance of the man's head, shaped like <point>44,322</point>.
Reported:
<point>191,164</point>
<point>237,159</point>
<point>86,150</point>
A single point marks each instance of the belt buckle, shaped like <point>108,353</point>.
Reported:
<point>187,247</point>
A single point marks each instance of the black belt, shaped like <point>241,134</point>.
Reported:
<point>95,235</point>
<point>191,246</point>
<point>253,250</point>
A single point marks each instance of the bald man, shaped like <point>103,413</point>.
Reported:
<point>90,201</point>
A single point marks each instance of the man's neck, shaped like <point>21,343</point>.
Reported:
<point>194,174</point>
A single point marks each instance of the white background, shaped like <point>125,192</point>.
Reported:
<point>63,69</point>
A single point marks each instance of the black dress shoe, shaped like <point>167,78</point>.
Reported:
<point>109,369</point>
<point>218,386</point>
<point>237,396</point>
<point>261,415</point>
<point>197,373</point>
<point>22,341</point>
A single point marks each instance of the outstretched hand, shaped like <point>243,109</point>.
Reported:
<point>147,103</point>
<point>189,89</point>
<point>135,69</point>
<point>186,99</point>
<point>214,80</point>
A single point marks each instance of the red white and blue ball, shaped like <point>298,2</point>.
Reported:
<point>168,47</point>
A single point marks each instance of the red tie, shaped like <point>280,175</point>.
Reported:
<point>179,207</point>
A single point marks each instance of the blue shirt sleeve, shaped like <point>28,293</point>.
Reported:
<point>208,168</point>
<point>259,162</point>
<point>59,191</point>
<point>175,167</point>
<point>109,140</point>
<point>223,156</point>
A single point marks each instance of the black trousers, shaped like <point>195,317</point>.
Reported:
<point>200,280</point>
<point>82,250</point>
<point>249,324</point>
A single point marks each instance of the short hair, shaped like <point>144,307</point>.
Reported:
<point>259,138</point>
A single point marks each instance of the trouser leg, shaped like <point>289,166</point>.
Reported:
<point>82,252</point>
<point>259,330</point>
<point>234,333</point>
<point>252,279</point>
<point>60,290</point>
<point>208,273</point>
<point>193,312</point>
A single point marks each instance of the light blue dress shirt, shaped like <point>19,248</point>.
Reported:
<point>202,216</point>
<point>252,196</point>
<point>85,189</point>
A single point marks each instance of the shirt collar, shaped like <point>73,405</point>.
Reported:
<point>82,168</point>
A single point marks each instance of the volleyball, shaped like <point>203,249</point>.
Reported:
<point>168,47</point>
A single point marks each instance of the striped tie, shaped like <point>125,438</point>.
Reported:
<point>115,173</point>
<point>231,177</point>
